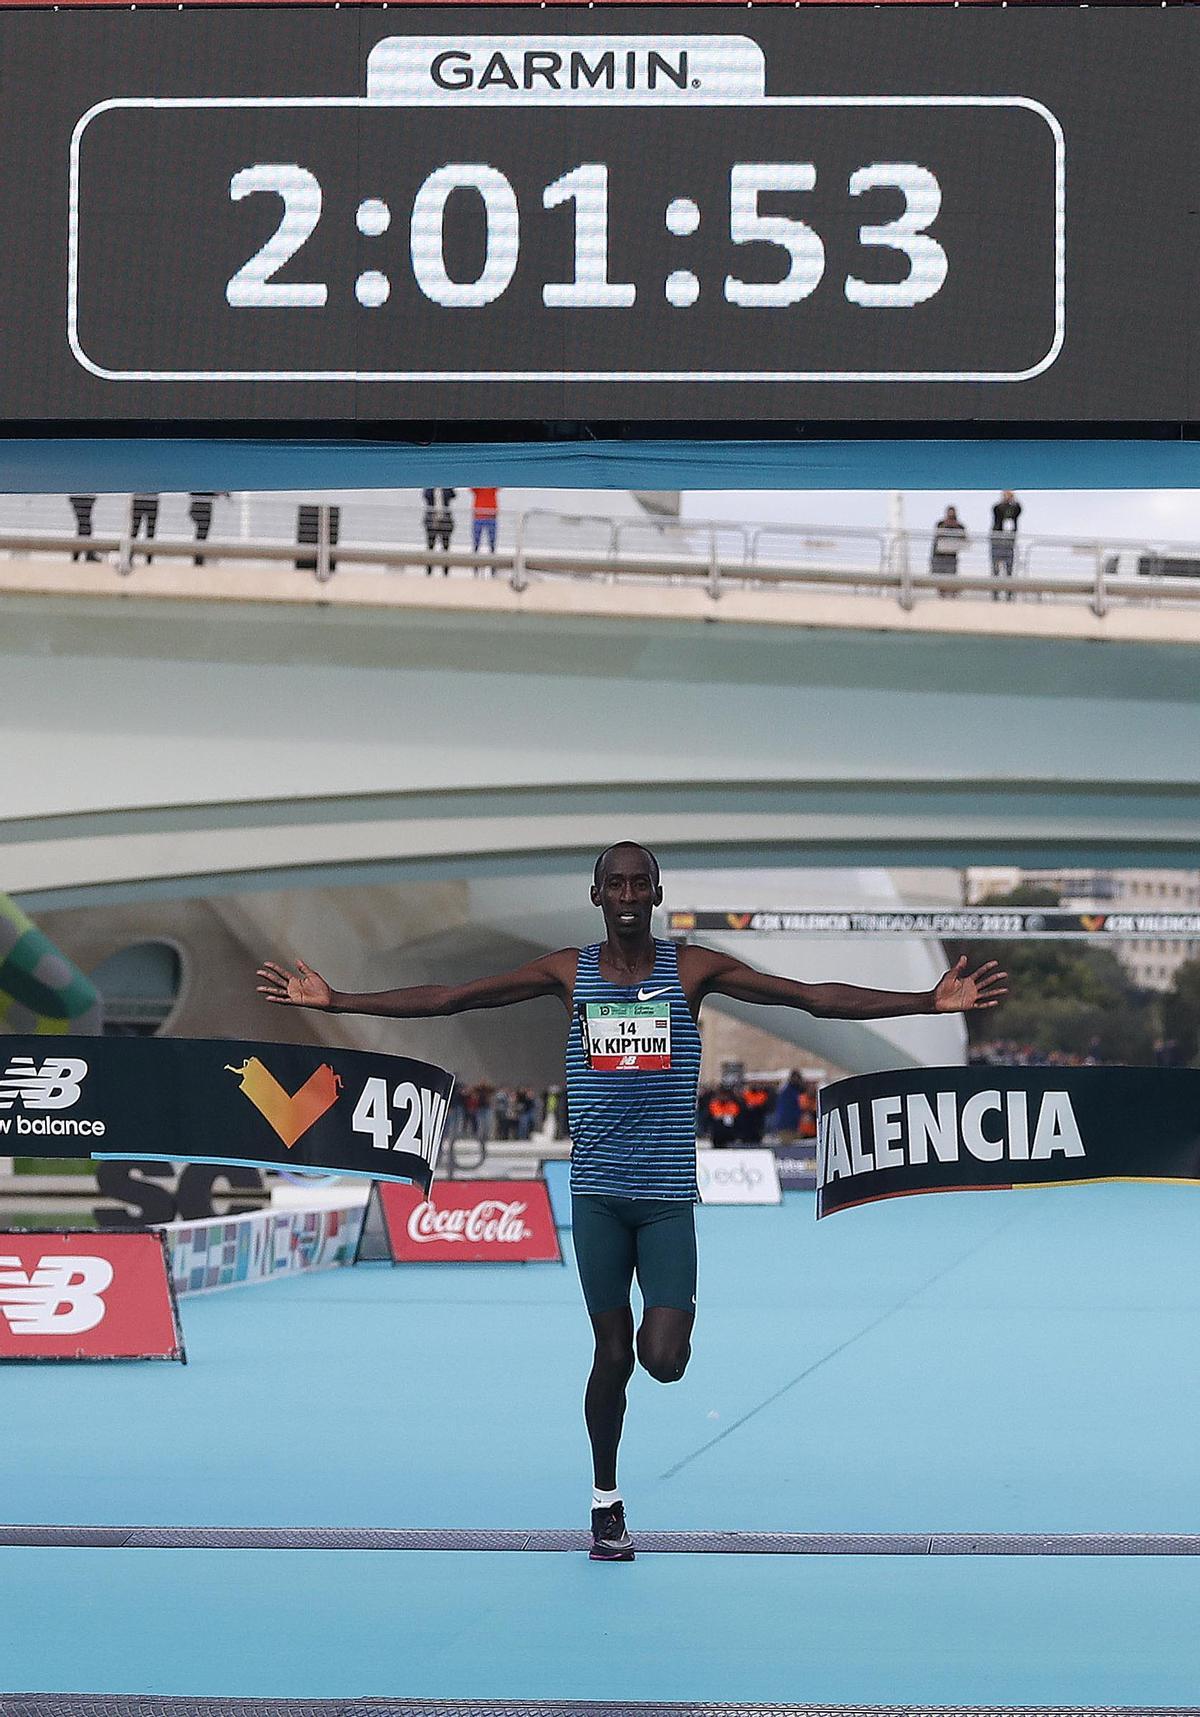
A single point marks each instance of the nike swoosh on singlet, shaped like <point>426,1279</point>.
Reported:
<point>649,995</point>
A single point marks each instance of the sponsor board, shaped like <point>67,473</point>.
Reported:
<point>797,1165</point>
<point>738,1177</point>
<point>86,1296</point>
<point>956,1129</point>
<point>270,1105</point>
<point>261,1246</point>
<point>462,1222</point>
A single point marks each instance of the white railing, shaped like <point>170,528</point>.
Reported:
<point>540,543</point>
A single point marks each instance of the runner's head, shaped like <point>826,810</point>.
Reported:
<point>626,887</point>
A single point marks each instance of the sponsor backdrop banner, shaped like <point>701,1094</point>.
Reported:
<point>465,1222</point>
<point>964,925</point>
<point>738,1177</point>
<point>269,1105</point>
<point>951,1129</point>
<point>86,1296</point>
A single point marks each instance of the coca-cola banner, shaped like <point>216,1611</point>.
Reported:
<point>466,1222</point>
<point>86,1296</point>
<point>953,1129</point>
<point>266,1105</point>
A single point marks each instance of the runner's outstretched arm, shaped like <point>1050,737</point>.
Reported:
<point>549,975</point>
<point>957,991</point>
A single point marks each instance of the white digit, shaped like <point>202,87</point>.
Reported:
<point>371,1114</point>
<point>587,187</point>
<point>927,259</point>
<point>747,226</point>
<point>252,286</point>
<point>410,1133</point>
<point>428,236</point>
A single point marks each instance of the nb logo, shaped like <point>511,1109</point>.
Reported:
<point>53,1085</point>
<point>62,1296</point>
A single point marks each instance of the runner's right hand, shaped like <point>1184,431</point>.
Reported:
<point>303,988</point>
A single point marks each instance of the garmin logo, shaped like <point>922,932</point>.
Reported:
<point>583,70</point>
<point>546,68</point>
<point>989,1126</point>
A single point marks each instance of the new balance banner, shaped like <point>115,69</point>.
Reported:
<point>950,1129</point>
<point>86,1296</point>
<point>269,1105</point>
<point>465,1222</point>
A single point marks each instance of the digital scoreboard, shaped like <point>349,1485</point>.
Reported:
<point>630,215</point>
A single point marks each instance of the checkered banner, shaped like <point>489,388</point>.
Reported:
<point>269,1105</point>
<point>954,1129</point>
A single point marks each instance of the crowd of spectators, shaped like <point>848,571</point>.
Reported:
<point>438,518</point>
<point>502,1113</point>
<point>743,1111</point>
<point>748,1111</point>
<point>1006,1052</point>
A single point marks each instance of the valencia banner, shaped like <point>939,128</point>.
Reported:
<point>953,1129</point>
<point>268,1105</point>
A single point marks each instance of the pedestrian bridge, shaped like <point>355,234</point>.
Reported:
<point>241,724</point>
<point>241,727</point>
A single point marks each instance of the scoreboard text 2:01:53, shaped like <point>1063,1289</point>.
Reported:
<point>705,213</point>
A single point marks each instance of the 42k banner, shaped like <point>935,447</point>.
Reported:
<point>270,1105</point>
<point>953,1129</point>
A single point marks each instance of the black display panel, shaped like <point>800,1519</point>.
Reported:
<point>701,215</point>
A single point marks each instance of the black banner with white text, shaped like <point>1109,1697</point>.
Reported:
<point>954,1129</point>
<point>269,1105</point>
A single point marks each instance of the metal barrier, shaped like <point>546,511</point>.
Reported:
<point>714,556</point>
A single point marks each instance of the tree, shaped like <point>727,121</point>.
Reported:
<point>1181,1013</point>
<point>1064,996</point>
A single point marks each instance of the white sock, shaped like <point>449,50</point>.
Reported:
<point>605,1498</point>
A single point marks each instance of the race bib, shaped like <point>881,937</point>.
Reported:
<point>627,1036</point>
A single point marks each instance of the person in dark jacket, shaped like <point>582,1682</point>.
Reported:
<point>1005,514</point>
<point>949,536</point>
<point>81,506</point>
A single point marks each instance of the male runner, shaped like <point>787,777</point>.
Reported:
<point>633,1064</point>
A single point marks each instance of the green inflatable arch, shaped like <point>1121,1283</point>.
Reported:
<point>41,992</point>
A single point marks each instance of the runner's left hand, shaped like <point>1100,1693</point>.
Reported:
<point>960,991</point>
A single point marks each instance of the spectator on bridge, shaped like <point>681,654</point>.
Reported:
<point>439,522</point>
<point>484,518</point>
<point>200,511</point>
<point>308,530</point>
<point>144,511</point>
<point>1005,514</point>
<point>949,536</point>
<point>81,506</point>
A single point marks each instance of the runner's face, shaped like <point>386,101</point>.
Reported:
<point>627,894</point>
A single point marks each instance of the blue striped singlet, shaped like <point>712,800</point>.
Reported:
<point>633,1127</point>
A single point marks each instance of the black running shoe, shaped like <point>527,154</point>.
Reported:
<point>610,1541</point>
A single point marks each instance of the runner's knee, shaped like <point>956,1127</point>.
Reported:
<point>665,1359</point>
<point>614,1352</point>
